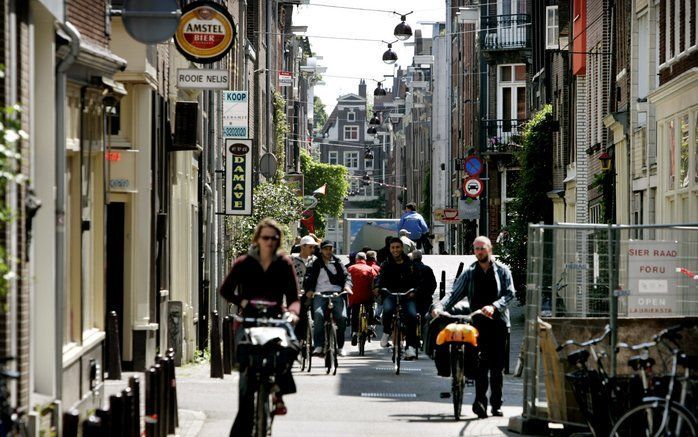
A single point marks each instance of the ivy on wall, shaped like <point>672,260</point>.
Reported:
<point>317,174</point>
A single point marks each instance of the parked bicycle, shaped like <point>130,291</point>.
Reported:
<point>266,338</point>
<point>461,338</point>
<point>11,419</point>
<point>399,327</point>
<point>331,349</point>
<point>661,416</point>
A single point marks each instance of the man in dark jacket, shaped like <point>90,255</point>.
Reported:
<point>427,283</point>
<point>384,252</point>
<point>398,275</point>
<point>327,275</point>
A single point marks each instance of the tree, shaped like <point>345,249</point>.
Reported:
<point>271,199</point>
<point>319,113</point>
<point>530,202</point>
<point>316,174</point>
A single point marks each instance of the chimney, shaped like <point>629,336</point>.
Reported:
<point>362,88</point>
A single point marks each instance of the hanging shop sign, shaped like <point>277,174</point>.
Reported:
<point>202,79</point>
<point>469,209</point>
<point>238,177</point>
<point>235,114</point>
<point>206,31</point>
<point>447,215</point>
<point>652,278</point>
<point>285,78</point>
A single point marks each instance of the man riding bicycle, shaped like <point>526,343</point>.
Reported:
<point>362,277</point>
<point>328,275</point>
<point>301,262</point>
<point>398,275</point>
<point>263,274</point>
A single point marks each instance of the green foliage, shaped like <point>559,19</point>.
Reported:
<point>271,199</point>
<point>530,202</point>
<point>604,182</point>
<point>319,113</point>
<point>281,131</point>
<point>11,135</point>
<point>317,174</point>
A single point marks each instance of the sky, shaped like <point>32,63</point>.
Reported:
<point>353,59</point>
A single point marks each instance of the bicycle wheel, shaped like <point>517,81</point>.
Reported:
<point>647,420</point>
<point>329,347</point>
<point>457,380</point>
<point>398,347</point>
<point>309,343</point>
<point>261,419</point>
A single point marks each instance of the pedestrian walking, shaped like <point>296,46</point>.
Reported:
<point>416,226</point>
<point>488,286</point>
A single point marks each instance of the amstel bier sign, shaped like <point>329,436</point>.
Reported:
<point>206,31</point>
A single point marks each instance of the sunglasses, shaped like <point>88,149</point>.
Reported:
<point>269,237</point>
<point>479,248</point>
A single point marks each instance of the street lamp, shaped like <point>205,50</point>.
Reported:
<point>606,160</point>
<point>379,91</point>
<point>371,130</point>
<point>389,56</point>
<point>375,120</point>
<point>403,31</point>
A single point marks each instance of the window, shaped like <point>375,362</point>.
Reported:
<point>671,149</point>
<point>511,99</point>
<point>351,160</point>
<point>351,116</point>
<point>509,178</point>
<point>368,164</point>
<point>643,54</point>
<point>333,158</point>
<point>551,28</point>
<point>684,151</point>
<point>351,133</point>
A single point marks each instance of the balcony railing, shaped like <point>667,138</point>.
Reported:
<point>506,32</point>
<point>501,136</point>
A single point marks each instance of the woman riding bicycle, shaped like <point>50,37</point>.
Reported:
<point>264,274</point>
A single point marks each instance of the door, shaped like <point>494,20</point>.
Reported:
<point>115,263</point>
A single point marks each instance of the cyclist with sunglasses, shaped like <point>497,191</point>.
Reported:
<point>264,274</point>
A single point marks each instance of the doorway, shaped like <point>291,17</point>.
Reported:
<point>116,214</point>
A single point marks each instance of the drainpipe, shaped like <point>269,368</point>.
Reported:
<point>61,70</point>
<point>268,108</point>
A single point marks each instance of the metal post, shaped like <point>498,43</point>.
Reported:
<point>613,254</point>
<point>442,285</point>
<point>215,345</point>
<point>134,384</point>
<point>174,407</point>
<point>227,362</point>
<point>113,347</point>
<point>150,411</point>
<point>116,407</point>
<point>70,423</point>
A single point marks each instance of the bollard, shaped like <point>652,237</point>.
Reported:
<point>442,285</point>
<point>161,425</point>
<point>215,343</point>
<point>165,406</point>
<point>173,388</point>
<point>93,427</point>
<point>135,384</point>
<point>127,418</point>
<point>150,418</point>
<point>113,347</point>
<point>460,269</point>
<point>227,362</point>
<point>116,406</point>
<point>105,422</point>
<point>71,419</point>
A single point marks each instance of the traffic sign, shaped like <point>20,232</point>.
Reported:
<point>473,165</point>
<point>472,187</point>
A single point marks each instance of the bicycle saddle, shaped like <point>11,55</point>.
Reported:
<point>637,362</point>
<point>689,361</point>
<point>578,357</point>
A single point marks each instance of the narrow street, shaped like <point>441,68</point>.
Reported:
<point>365,398</point>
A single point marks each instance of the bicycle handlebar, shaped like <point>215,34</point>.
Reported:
<point>591,342</point>
<point>466,317</point>
<point>671,333</point>
<point>330,295</point>
<point>262,320</point>
<point>411,290</point>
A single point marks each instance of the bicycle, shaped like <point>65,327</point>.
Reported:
<point>460,335</point>
<point>266,335</point>
<point>662,416</point>
<point>306,343</point>
<point>11,419</point>
<point>331,349</point>
<point>365,331</point>
<point>595,393</point>
<point>398,327</point>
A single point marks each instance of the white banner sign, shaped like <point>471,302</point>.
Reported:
<point>652,278</point>
<point>235,114</point>
<point>285,78</point>
<point>195,78</point>
<point>238,177</point>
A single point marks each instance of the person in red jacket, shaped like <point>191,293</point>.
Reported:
<point>362,276</point>
<point>263,274</point>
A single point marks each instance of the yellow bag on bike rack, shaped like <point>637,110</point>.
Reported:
<point>458,333</point>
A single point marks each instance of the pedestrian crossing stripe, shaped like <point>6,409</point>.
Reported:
<point>388,395</point>
<point>402,369</point>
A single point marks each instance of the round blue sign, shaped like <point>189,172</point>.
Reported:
<point>473,165</point>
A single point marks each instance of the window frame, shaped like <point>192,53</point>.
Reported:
<point>351,116</point>
<point>333,155</point>
<point>351,155</point>
<point>556,43</point>
<point>353,129</point>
